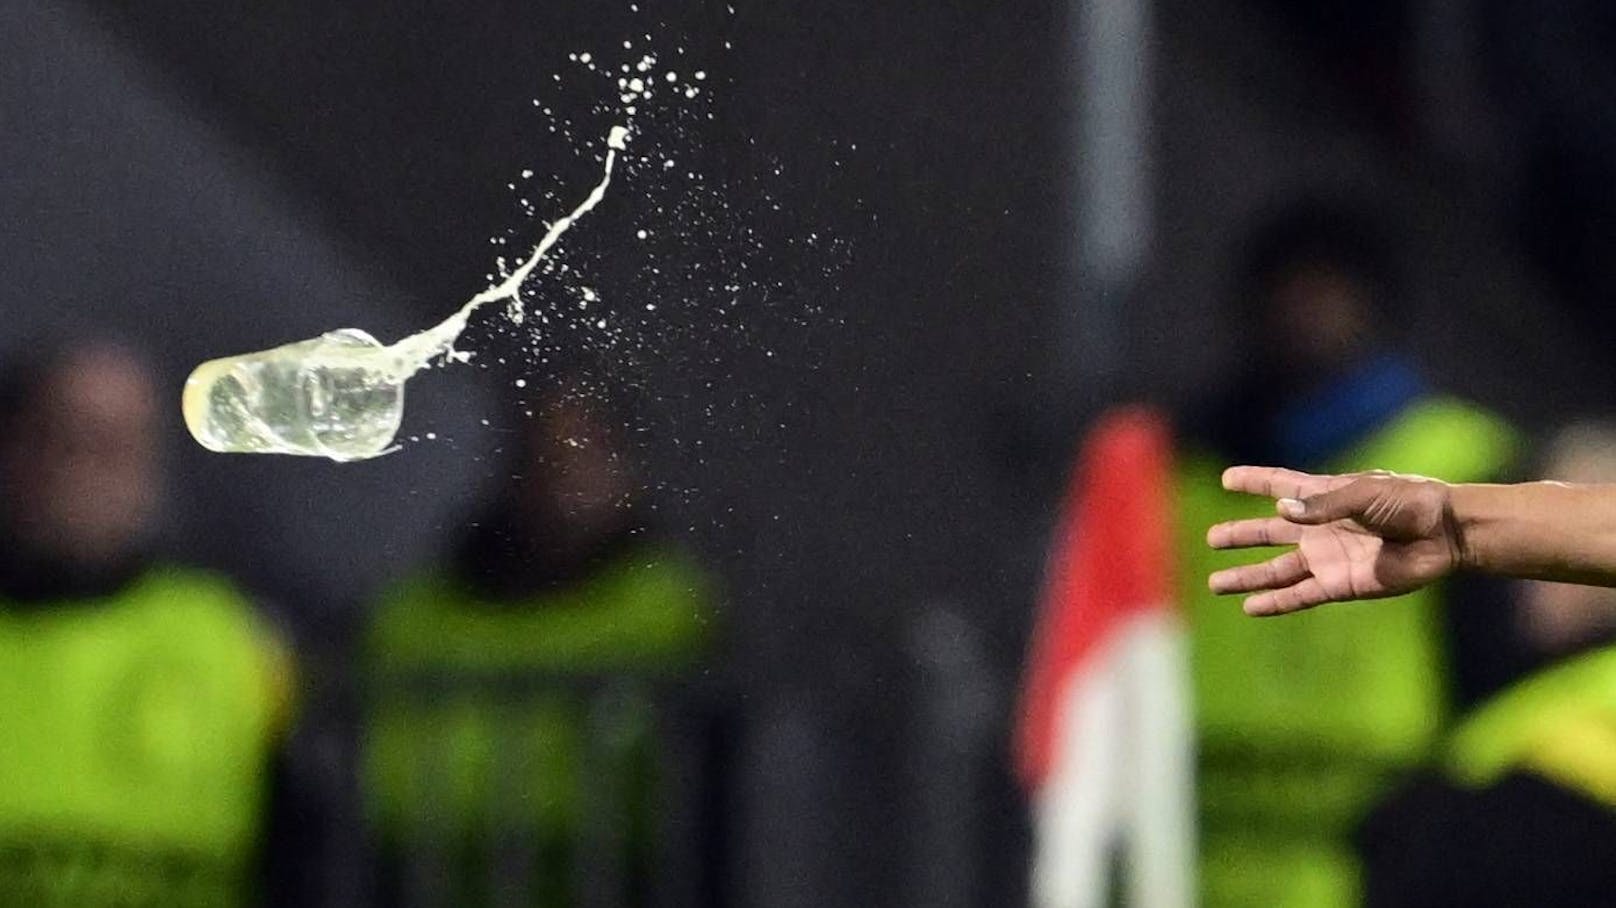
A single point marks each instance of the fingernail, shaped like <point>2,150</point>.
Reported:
<point>1290,507</point>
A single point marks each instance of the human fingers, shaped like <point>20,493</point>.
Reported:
<point>1348,501</point>
<point>1272,574</point>
<point>1297,597</point>
<point>1274,482</point>
<point>1240,534</point>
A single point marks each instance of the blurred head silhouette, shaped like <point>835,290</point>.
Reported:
<point>79,465</point>
<point>570,498</point>
<point>572,477</point>
<point>1315,281</point>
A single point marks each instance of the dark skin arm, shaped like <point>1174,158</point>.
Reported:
<point>1373,535</point>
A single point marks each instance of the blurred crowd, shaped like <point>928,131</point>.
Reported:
<point>511,701</point>
<point>1319,739</point>
<point>1452,747</point>
<point>517,708</point>
<point>539,716</point>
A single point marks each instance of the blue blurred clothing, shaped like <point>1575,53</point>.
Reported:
<point>1314,428</point>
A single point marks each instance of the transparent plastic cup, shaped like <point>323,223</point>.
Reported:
<point>339,396</point>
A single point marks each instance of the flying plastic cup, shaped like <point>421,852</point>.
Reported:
<point>338,396</point>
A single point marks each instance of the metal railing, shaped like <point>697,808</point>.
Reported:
<point>626,844</point>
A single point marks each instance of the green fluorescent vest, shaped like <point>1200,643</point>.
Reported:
<point>486,723</point>
<point>1559,724</point>
<point>1303,721</point>
<point>134,737</point>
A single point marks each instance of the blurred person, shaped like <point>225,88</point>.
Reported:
<point>511,731</point>
<point>141,702</point>
<point>1301,733</point>
<point>1300,729</point>
<point>1524,811</point>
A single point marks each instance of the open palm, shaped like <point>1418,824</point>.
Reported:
<point>1362,536</point>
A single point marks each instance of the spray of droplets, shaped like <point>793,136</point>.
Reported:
<point>693,277</point>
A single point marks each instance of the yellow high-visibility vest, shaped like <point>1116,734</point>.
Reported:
<point>1304,722</point>
<point>135,736</point>
<point>486,728</point>
<point>1559,724</point>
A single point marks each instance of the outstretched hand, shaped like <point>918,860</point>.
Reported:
<point>1361,536</point>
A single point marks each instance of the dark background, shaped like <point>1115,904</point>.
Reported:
<point>868,457</point>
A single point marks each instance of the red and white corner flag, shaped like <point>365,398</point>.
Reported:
<point>1103,743</point>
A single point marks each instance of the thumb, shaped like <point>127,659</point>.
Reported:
<point>1346,502</point>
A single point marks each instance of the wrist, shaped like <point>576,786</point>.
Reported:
<point>1467,515</point>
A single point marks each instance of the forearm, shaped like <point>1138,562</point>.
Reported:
<point>1538,530</point>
